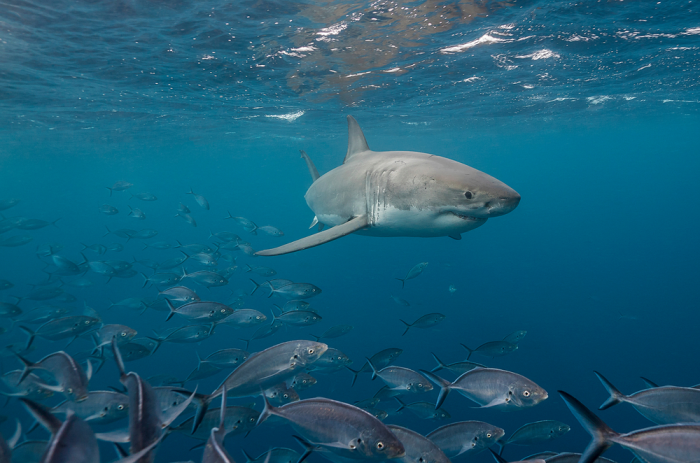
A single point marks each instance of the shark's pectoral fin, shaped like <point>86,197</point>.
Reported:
<point>313,223</point>
<point>455,236</point>
<point>357,223</point>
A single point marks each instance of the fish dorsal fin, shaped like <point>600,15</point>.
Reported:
<point>356,140</point>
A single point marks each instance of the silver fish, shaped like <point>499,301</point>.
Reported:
<point>161,279</point>
<point>281,394</point>
<point>331,360</point>
<point>469,437</point>
<point>457,367</point>
<point>35,224</point>
<point>415,271</point>
<point>402,379</point>
<point>224,236</point>
<point>98,248</point>
<point>187,218</point>
<point>424,410</point>
<point>492,388</point>
<point>244,318</point>
<point>71,380</point>
<point>108,210</point>
<point>297,318</point>
<point>144,234</point>
<point>119,186</point>
<point>185,334</point>
<point>100,407</point>
<point>265,369</point>
<point>297,291</point>
<point>515,337</point>
<point>16,240</point>
<point>380,360</point>
<point>206,278</point>
<point>44,313</point>
<point>144,197</point>
<point>658,444</point>
<point>8,203</point>
<point>339,428</point>
<point>536,433</point>
<point>335,332</point>
<point>263,332</point>
<point>302,381</point>
<point>180,294</point>
<point>31,387</point>
<point>125,233</point>
<point>226,358</point>
<point>239,420</point>
<point>268,230</point>
<point>116,247</point>
<point>201,200</point>
<point>492,349</point>
<point>200,311</point>
<point>182,208</point>
<point>424,322</point>
<point>137,213</point>
<point>419,449</point>
<point>400,301</point>
<point>262,271</point>
<point>660,405</point>
<point>62,328</point>
<point>245,223</point>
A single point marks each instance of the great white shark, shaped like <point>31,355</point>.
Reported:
<point>398,193</point>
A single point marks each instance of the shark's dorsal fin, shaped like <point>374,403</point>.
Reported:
<point>356,139</point>
<point>310,164</point>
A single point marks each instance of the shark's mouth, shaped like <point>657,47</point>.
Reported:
<point>466,217</point>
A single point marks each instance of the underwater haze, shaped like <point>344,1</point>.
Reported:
<point>188,119</point>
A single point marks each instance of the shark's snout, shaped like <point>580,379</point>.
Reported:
<point>504,204</point>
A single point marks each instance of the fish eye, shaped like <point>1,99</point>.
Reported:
<point>311,350</point>
<point>468,194</point>
<point>380,445</point>
<point>526,393</point>
<point>488,434</point>
<point>420,385</point>
<point>87,322</point>
<point>223,310</point>
<point>123,333</point>
<point>120,407</point>
<point>69,390</point>
<point>286,396</point>
<point>352,447</point>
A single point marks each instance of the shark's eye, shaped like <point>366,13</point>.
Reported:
<point>468,194</point>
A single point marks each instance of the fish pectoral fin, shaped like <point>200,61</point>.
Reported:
<point>455,236</point>
<point>352,225</point>
<point>494,403</point>
<point>118,435</point>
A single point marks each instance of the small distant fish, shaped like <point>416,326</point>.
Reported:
<point>247,225</point>
<point>335,332</point>
<point>206,259</point>
<point>225,236</point>
<point>302,381</point>
<point>184,209</point>
<point>16,240</point>
<point>116,247</point>
<point>100,407</point>
<point>71,380</point>
<point>424,322</point>
<point>400,301</point>
<point>262,332</point>
<point>62,328</point>
<point>245,317</point>
<point>380,360</point>
<point>536,433</point>
<point>5,284</point>
<point>452,289</point>
<point>262,271</point>
<point>137,213</point>
<point>8,203</point>
<point>268,230</point>
<point>144,197</point>
<point>331,360</point>
<point>297,318</point>
<point>161,279</point>
<point>281,394</point>
<point>200,311</point>
<point>206,278</point>
<point>121,233</point>
<point>144,234</point>
<point>413,273</point>
<point>185,334</point>
<point>457,367</point>
<point>180,294</point>
<point>227,358</point>
<point>401,379</point>
<point>419,449</point>
<point>187,218</point>
<point>35,224</point>
<point>98,248</point>
<point>201,200</point>
<point>492,349</point>
<point>119,186</point>
<point>108,210</point>
<point>42,314</point>
<point>515,337</point>
<point>465,437</point>
<point>423,410</point>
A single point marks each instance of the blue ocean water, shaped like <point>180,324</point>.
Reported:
<point>590,110</point>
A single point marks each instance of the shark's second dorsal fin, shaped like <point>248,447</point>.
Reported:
<point>356,139</point>
<point>310,164</point>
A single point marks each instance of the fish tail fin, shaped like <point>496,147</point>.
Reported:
<point>85,246</point>
<point>203,402</point>
<point>26,370</point>
<point>444,387</point>
<point>603,436</point>
<point>172,309</point>
<point>54,222</point>
<point>408,327</point>
<point>468,350</point>
<point>247,457</point>
<point>650,384</point>
<point>402,405</point>
<point>158,342</point>
<point>257,286</point>
<point>118,357</point>
<point>615,395</point>
<point>246,341</point>
<point>30,336</point>
<point>109,232</point>
<point>308,448</point>
<point>249,268</point>
<point>497,456</point>
<point>403,282</point>
<point>354,375</point>
<point>440,365</point>
<point>374,370</point>
<point>268,411</point>
<point>318,338</point>
<point>191,192</point>
<point>145,279</point>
